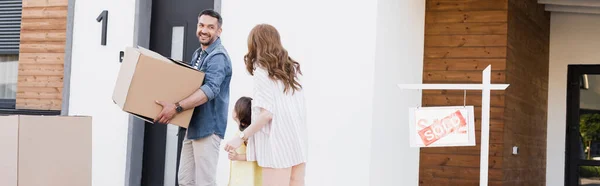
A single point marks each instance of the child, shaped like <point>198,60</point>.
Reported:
<point>243,173</point>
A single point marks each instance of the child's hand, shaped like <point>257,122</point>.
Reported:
<point>233,155</point>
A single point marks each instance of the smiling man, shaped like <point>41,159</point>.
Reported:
<point>200,150</point>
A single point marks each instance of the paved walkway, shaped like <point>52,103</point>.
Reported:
<point>590,182</point>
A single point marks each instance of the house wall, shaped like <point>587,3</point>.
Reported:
<point>352,60</point>
<point>336,53</point>
<point>574,39</point>
<point>461,39</point>
<point>526,98</point>
<point>398,59</point>
<point>94,69</point>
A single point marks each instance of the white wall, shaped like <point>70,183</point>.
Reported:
<point>574,39</point>
<point>352,57</point>
<point>94,71</point>
<point>334,41</point>
<point>399,59</point>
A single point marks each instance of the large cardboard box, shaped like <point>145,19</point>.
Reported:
<point>9,141</point>
<point>46,150</point>
<point>146,76</point>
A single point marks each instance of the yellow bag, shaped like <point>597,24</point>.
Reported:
<point>244,173</point>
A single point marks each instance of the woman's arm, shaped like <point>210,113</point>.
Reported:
<point>264,117</point>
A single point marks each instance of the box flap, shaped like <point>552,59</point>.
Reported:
<point>184,64</point>
<point>125,77</point>
<point>155,55</point>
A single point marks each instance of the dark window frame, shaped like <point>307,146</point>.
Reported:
<point>573,111</point>
<point>8,107</point>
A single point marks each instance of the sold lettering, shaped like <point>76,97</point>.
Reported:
<point>454,123</point>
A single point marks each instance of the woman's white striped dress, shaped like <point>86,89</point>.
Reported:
<point>282,143</point>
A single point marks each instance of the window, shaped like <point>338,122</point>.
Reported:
<point>8,80</point>
<point>10,27</point>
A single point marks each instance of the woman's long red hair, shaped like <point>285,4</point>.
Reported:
<point>265,50</point>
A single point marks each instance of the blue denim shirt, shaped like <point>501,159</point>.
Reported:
<point>211,117</point>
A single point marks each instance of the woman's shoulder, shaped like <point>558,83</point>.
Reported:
<point>260,69</point>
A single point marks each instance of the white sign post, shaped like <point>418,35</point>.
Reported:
<point>486,86</point>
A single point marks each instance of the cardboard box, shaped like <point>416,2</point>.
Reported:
<point>146,76</point>
<point>9,141</point>
<point>51,151</point>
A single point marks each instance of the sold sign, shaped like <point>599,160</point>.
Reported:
<point>439,128</point>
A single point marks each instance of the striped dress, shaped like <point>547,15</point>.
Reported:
<point>282,143</point>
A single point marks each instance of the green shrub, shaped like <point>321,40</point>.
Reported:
<point>589,171</point>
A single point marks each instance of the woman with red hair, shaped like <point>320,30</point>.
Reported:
<point>277,137</point>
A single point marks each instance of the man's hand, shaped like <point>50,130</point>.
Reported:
<point>167,114</point>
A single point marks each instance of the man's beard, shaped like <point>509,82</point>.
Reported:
<point>206,43</point>
<point>210,41</point>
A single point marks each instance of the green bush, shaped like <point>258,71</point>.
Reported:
<point>589,171</point>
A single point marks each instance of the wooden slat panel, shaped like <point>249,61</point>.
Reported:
<point>532,174</point>
<point>30,36</point>
<point>528,139</point>
<point>496,125</point>
<point>41,70</point>
<point>453,100</point>
<point>465,40</point>
<point>521,123</point>
<point>427,181</point>
<point>45,47</point>
<point>45,3</point>
<point>466,5</point>
<point>40,81</point>
<point>39,89</point>
<point>524,74</point>
<point>532,156</point>
<point>465,52</point>
<point>461,77</point>
<point>44,24</point>
<point>45,12</point>
<point>41,58</point>
<point>495,150</point>
<point>541,182</point>
<point>495,137</point>
<point>40,104</point>
<point>39,95</point>
<point>465,28</point>
<point>460,173</point>
<point>526,98</point>
<point>532,11</point>
<point>499,16</point>
<point>463,64</point>
<point>454,160</point>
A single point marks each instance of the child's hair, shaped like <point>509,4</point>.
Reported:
<point>243,110</point>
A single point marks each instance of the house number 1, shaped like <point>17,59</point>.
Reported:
<point>103,17</point>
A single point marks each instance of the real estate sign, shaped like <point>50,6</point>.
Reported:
<point>442,126</point>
